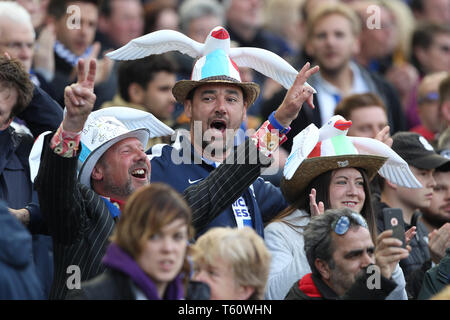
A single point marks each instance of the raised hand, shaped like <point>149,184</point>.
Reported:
<point>314,208</point>
<point>388,252</point>
<point>79,97</point>
<point>296,96</point>
<point>384,136</point>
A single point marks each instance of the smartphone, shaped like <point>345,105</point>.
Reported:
<point>393,219</point>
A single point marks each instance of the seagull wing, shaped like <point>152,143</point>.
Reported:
<point>267,63</point>
<point>136,119</point>
<point>302,145</point>
<point>395,169</point>
<point>155,43</point>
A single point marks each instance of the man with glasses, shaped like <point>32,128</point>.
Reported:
<point>344,261</point>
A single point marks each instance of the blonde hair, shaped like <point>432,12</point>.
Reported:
<point>327,9</point>
<point>243,249</point>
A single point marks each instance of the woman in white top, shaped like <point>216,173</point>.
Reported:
<point>320,183</point>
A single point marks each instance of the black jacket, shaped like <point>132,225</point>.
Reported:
<point>311,287</point>
<point>420,253</point>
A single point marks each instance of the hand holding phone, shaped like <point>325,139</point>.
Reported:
<point>393,219</point>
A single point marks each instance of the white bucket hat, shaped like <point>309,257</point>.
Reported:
<point>102,129</point>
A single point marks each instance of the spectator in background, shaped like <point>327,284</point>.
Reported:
<point>340,249</point>
<point>244,22</point>
<point>160,15</point>
<point>436,11</point>
<point>233,262</point>
<point>438,213</point>
<point>37,10</point>
<point>283,18</point>
<point>119,22</point>
<point>75,42</point>
<point>428,107</point>
<point>383,48</point>
<point>197,19</point>
<point>430,45</point>
<point>146,84</point>
<point>332,40</point>
<point>367,113</point>
<point>429,54</point>
<point>147,257</point>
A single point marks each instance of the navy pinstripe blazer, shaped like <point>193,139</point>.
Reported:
<point>80,223</point>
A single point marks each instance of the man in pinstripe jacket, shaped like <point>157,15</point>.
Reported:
<point>78,217</point>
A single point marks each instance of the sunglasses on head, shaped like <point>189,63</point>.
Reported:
<point>343,223</point>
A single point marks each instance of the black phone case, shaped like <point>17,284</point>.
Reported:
<point>391,215</point>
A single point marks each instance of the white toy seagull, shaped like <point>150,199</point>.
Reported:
<point>314,142</point>
<point>261,60</point>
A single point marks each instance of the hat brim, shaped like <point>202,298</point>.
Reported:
<point>183,87</point>
<point>313,167</point>
<point>431,161</point>
<point>84,175</point>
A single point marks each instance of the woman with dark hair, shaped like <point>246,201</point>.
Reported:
<point>338,180</point>
<point>147,257</point>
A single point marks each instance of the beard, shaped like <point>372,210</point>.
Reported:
<point>342,281</point>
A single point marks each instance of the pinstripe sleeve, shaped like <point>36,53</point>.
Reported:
<point>225,184</point>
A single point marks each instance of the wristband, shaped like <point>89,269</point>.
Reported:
<point>274,122</point>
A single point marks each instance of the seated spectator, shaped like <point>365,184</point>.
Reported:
<point>147,257</point>
<point>319,183</point>
<point>18,278</point>
<point>342,257</point>
<point>428,107</point>
<point>233,262</point>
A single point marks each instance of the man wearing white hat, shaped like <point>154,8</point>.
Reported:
<point>112,164</point>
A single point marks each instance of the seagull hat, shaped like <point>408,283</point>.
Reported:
<point>218,62</point>
<point>316,151</point>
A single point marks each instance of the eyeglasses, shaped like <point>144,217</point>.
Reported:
<point>342,224</point>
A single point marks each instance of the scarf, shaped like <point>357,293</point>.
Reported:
<point>116,258</point>
<point>67,55</point>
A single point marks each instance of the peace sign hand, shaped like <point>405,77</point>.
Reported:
<point>79,97</point>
